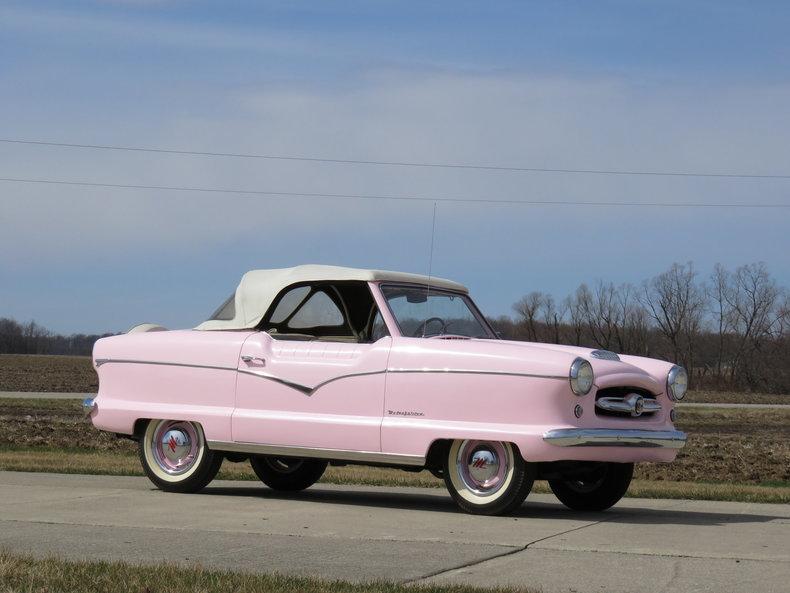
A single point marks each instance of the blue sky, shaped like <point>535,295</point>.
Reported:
<point>689,86</point>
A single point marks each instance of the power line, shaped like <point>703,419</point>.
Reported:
<point>329,196</point>
<point>501,168</point>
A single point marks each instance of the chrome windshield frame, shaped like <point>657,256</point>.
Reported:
<point>492,335</point>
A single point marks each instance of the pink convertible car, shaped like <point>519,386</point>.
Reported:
<point>316,365</point>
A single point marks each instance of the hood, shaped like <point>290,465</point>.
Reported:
<point>624,370</point>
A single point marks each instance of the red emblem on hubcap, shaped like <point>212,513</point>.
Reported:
<point>479,463</point>
<point>172,443</point>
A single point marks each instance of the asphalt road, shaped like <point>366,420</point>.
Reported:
<point>402,534</point>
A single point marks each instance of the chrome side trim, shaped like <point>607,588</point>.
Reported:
<point>293,385</point>
<point>316,453</point>
<point>298,386</point>
<point>605,437</point>
<point>101,361</point>
<point>476,372</point>
<point>308,391</point>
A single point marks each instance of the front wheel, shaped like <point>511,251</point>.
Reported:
<point>175,456</point>
<point>286,473</point>
<point>605,485</point>
<point>487,477</point>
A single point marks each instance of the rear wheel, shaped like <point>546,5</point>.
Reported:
<point>286,473</point>
<point>175,457</point>
<point>487,477</point>
<point>604,486</point>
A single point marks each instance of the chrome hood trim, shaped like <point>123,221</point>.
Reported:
<point>605,355</point>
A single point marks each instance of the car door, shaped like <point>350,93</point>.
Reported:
<point>300,386</point>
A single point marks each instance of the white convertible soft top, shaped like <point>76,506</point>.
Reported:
<point>258,288</point>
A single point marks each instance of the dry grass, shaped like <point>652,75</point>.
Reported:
<point>735,397</point>
<point>76,461</point>
<point>779,494</point>
<point>25,574</point>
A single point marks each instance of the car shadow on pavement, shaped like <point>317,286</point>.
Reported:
<point>644,516</point>
<point>440,502</point>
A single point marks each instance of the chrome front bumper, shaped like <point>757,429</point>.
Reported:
<point>606,437</point>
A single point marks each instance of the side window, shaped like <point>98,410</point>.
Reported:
<point>378,329</point>
<point>226,311</point>
<point>310,313</point>
<point>318,311</point>
<point>288,304</point>
<point>337,312</point>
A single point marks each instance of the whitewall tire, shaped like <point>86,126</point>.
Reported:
<point>175,457</point>
<point>487,477</point>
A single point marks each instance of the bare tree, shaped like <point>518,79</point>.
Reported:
<point>527,308</point>
<point>602,314</point>
<point>634,326</point>
<point>754,301</point>
<point>553,317</point>
<point>676,303</point>
<point>575,308</point>
<point>718,292</point>
<point>35,338</point>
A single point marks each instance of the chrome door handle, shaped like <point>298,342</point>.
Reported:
<point>249,359</point>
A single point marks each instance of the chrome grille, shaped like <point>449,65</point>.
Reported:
<point>626,402</point>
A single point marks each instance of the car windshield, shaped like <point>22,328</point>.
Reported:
<point>424,313</point>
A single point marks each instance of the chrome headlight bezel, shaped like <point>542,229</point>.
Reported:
<point>578,375</point>
<point>677,389</point>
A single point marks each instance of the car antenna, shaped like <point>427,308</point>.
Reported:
<point>430,264</point>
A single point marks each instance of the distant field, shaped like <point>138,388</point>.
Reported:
<point>732,454</point>
<point>75,374</point>
<point>21,372</point>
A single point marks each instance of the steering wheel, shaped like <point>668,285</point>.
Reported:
<point>421,329</point>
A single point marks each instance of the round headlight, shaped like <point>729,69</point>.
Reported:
<point>677,383</point>
<point>581,376</point>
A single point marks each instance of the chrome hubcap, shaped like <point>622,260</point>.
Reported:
<point>175,446</point>
<point>483,466</point>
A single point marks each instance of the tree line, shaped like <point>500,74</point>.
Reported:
<point>32,338</point>
<point>729,329</point>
